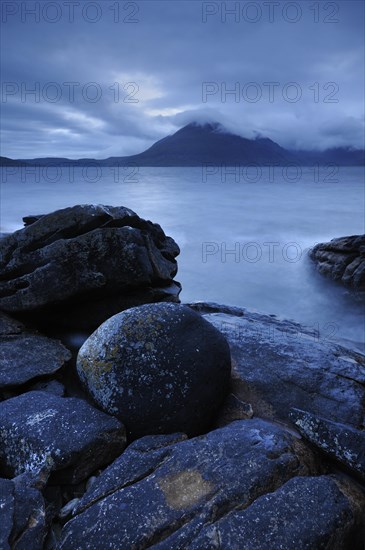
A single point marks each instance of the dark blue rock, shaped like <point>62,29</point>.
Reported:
<point>343,260</point>
<point>306,513</point>
<point>279,364</point>
<point>22,516</point>
<point>340,442</point>
<point>153,493</point>
<point>160,368</point>
<point>26,354</point>
<point>67,435</point>
<point>80,265</point>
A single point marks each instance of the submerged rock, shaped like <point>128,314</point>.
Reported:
<point>338,441</point>
<point>153,494</point>
<point>67,435</point>
<point>160,368</point>
<point>343,260</point>
<point>26,354</point>
<point>84,262</point>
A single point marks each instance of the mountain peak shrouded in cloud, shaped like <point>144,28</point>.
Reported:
<point>209,143</point>
<point>125,97</point>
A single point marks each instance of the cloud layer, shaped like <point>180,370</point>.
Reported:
<point>110,78</point>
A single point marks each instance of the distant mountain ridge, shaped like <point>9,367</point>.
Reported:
<point>202,144</point>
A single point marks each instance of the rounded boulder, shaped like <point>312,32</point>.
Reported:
<point>160,368</point>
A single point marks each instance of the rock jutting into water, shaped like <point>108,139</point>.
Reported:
<point>78,266</point>
<point>343,260</point>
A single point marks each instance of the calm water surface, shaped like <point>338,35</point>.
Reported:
<point>243,237</point>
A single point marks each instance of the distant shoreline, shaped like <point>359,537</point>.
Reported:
<point>209,145</point>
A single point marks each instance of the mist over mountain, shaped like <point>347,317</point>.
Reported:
<point>198,144</point>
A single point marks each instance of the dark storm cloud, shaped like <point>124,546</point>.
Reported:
<point>112,88</point>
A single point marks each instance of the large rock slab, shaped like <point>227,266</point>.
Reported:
<point>160,368</point>
<point>26,354</point>
<point>152,494</point>
<point>279,364</point>
<point>22,516</point>
<point>343,260</point>
<point>338,441</point>
<point>66,435</point>
<point>78,255</point>
<point>306,513</point>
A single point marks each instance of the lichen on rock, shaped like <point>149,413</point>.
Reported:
<point>160,368</point>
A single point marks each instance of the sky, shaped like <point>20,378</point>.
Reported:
<point>108,78</point>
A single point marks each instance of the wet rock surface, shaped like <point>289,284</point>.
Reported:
<point>178,489</point>
<point>306,512</point>
<point>26,354</point>
<point>66,435</point>
<point>278,365</point>
<point>160,368</point>
<point>342,260</point>
<point>338,441</point>
<point>75,256</point>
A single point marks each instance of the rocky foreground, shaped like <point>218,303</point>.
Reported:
<point>173,427</point>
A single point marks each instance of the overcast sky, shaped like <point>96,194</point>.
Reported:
<point>143,69</point>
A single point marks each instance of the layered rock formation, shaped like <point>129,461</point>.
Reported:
<point>25,354</point>
<point>78,266</point>
<point>194,493</point>
<point>342,260</point>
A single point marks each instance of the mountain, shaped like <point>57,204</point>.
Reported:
<point>5,161</point>
<point>195,145</point>
<point>210,144</point>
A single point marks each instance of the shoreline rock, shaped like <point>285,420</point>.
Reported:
<point>279,364</point>
<point>342,260</point>
<point>174,480</point>
<point>64,266</point>
<point>160,368</point>
<point>62,434</point>
<point>184,486</point>
<point>26,354</point>
<point>281,464</point>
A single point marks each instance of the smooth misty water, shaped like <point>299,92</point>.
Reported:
<point>209,215</point>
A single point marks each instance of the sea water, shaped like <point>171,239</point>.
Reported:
<point>244,233</point>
